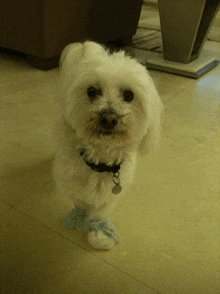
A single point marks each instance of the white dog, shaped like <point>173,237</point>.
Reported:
<point>111,110</point>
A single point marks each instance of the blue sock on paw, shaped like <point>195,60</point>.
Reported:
<point>75,219</point>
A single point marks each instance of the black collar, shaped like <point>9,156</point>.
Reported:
<point>102,167</point>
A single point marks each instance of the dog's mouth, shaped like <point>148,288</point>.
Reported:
<point>101,134</point>
<point>107,125</point>
<point>111,134</point>
<point>106,133</point>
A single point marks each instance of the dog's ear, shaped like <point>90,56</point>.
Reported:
<point>71,54</point>
<point>69,60</point>
<point>154,111</point>
<point>91,49</point>
<point>150,141</point>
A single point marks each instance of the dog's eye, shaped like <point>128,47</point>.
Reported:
<point>128,96</point>
<point>93,92</point>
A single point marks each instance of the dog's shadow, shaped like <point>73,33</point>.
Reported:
<point>20,184</point>
<point>31,190</point>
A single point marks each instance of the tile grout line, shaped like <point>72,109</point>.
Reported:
<point>81,247</point>
<point>193,145</point>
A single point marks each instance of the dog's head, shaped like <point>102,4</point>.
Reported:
<point>109,97</point>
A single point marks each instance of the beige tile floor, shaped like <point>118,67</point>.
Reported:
<point>169,222</point>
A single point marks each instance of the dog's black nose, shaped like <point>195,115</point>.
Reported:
<point>108,120</point>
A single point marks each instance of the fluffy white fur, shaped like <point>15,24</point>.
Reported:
<point>85,65</point>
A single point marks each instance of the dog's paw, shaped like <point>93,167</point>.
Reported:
<point>98,240</point>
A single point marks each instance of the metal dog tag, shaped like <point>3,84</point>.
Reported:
<point>117,188</point>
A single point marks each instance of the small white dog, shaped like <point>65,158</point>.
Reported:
<point>111,110</point>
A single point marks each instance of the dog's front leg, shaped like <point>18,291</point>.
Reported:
<point>101,211</point>
<point>102,234</point>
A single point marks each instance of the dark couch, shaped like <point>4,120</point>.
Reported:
<point>42,28</point>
